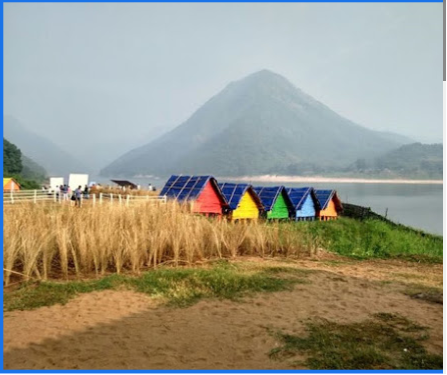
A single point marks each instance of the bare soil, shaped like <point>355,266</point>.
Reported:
<point>127,330</point>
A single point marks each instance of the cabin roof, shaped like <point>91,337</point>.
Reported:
<point>125,183</point>
<point>7,180</point>
<point>298,196</point>
<point>234,192</point>
<point>185,188</point>
<point>325,196</point>
<point>269,194</point>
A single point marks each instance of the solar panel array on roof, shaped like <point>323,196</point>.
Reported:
<point>184,188</point>
<point>298,196</point>
<point>324,197</point>
<point>233,193</point>
<point>268,195</point>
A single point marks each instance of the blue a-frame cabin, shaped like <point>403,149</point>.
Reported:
<point>305,203</point>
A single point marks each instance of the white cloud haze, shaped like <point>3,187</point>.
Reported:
<point>111,76</point>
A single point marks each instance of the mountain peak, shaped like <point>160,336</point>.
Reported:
<point>259,124</point>
<point>265,73</point>
<point>265,76</point>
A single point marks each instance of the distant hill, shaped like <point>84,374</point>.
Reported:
<point>415,160</point>
<point>260,124</point>
<point>398,138</point>
<point>41,150</point>
<point>33,171</point>
<point>17,165</point>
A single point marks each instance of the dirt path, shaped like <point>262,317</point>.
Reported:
<point>126,330</point>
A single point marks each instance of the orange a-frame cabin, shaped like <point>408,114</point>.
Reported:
<point>330,205</point>
<point>202,191</point>
<point>9,184</point>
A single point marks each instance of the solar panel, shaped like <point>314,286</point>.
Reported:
<point>190,184</point>
<point>268,195</point>
<point>324,197</point>
<point>184,188</point>
<point>298,196</point>
<point>175,191</point>
<point>233,193</point>
<point>168,185</point>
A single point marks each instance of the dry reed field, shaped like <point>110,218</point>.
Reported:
<point>64,242</point>
<point>117,190</point>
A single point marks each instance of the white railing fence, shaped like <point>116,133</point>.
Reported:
<point>125,199</point>
<point>38,196</point>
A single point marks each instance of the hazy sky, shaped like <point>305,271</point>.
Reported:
<point>113,75</point>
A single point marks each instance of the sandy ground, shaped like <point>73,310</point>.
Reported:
<point>127,330</point>
<point>350,180</point>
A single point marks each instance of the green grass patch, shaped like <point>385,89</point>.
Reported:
<point>187,286</point>
<point>31,296</point>
<point>407,275</point>
<point>399,322</point>
<point>178,287</point>
<point>287,270</point>
<point>336,263</point>
<point>425,293</point>
<point>387,341</point>
<point>374,239</point>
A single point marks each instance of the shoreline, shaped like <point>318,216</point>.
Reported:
<point>321,179</point>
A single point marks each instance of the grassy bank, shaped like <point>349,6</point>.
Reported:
<point>175,286</point>
<point>387,341</point>
<point>374,239</point>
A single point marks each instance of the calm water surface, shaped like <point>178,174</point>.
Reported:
<point>419,206</point>
<point>416,205</point>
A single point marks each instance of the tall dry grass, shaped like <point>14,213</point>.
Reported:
<point>116,190</point>
<point>61,241</point>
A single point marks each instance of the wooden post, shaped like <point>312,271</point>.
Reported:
<point>119,199</point>
<point>111,198</point>
<point>100,198</point>
<point>127,200</point>
<point>93,199</point>
<point>35,196</point>
<point>11,195</point>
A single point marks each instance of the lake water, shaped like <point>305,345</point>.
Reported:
<point>417,205</point>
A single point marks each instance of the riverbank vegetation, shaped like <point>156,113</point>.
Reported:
<point>386,341</point>
<point>62,242</point>
<point>176,287</point>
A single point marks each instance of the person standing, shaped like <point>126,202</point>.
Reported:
<point>78,195</point>
<point>64,190</point>
<point>86,192</point>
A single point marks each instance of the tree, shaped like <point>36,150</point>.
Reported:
<point>12,158</point>
<point>27,173</point>
<point>26,184</point>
